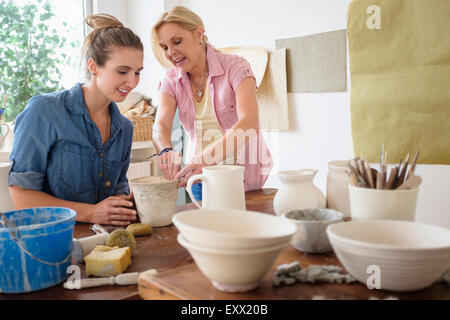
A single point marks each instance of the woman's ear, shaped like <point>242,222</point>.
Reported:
<point>92,67</point>
<point>199,34</point>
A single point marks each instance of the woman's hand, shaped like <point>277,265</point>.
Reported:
<point>115,210</point>
<point>170,164</point>
<point>192,168</point>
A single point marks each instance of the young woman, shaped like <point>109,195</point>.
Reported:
<point>72,148</point>
<point>216,97</point>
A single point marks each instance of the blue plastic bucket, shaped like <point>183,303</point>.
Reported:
<point>36,253</point>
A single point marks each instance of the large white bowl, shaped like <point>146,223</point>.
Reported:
<point>233,270</point>
<point>232,229</point>
<point>410,255</point>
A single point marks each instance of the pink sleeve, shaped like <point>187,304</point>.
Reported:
<point>166,86</point>
<point>239,70</point>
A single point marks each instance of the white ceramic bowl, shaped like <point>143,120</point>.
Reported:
<point>233,270</point>
<point>311,235</point>
<point>410,255</point>
<point>232,229</point>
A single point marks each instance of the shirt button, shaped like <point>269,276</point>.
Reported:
<point>100,174</point>
<point>100,154</point>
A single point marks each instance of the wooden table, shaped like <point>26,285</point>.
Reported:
<point>179,277</point>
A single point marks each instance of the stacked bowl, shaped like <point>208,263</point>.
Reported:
<point>233,248</point>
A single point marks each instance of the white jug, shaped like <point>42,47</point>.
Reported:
<point>298,192</point>
<point>223,187</point>
<point>6,203</point>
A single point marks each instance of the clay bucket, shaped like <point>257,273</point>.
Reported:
<point>156,199</point>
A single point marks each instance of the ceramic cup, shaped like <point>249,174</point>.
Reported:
<point>311,235</point>
<point>375,204</point>
<point>156,199</point>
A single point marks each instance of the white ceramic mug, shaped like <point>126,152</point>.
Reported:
<point>223,187</point>
<point>376,204</point>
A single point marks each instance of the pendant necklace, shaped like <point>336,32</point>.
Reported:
<point>199,91</point>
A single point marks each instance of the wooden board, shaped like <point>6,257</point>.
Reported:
<point>188,283</point>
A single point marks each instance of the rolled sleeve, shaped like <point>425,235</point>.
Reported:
<point>26,180</point>
<point>239,70</point>
<point>33,139</point>
<point>166,87</point>
<point>122,188</point>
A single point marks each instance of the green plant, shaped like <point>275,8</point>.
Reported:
<point>29,55</point>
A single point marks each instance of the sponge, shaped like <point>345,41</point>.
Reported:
<point>139,229</point>
<point>121,238</point>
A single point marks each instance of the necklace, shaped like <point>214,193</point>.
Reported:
<point>199,91</point>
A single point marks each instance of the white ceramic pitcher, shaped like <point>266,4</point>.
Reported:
<point>297,191</point>
<point>223,187</point>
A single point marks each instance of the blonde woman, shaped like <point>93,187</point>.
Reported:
<point>216,97</point>
<point>72,148</point>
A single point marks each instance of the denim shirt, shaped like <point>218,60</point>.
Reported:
<point>58,149</point>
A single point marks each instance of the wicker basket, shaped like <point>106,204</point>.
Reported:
<point>142,128</point>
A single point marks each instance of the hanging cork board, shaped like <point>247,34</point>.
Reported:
<point>399,54</point>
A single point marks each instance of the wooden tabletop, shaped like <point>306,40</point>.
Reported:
<point>179,278</point>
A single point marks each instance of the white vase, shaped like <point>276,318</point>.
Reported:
<point>297,191</point>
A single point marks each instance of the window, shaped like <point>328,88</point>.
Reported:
<point>40,47</point>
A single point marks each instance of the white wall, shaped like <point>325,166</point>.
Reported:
<point>320,122</point>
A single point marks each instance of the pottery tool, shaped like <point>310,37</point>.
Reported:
<point>362,175</point>
<point>121,279</point>
<point>392,178</point>
<point>82,247</point>
<point>413,166</point>
<point>411,183</point>
<point>369,175</point>
<point>401,177</point>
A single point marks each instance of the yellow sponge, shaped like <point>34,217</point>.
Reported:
<point>106,261</point>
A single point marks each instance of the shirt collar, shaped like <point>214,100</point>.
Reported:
<point>214,65</point>
<point>75,103</point>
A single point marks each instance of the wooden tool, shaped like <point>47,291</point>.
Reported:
<point>392,178</point>
<point>413,166</point>
<point>411,183</point>
<point>401,177</point>
<point>121,279</point>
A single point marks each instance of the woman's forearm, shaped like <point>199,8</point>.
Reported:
<point>24,198</point>
<point>161,137</point>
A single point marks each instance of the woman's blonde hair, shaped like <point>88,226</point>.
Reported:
<point>182,16</point>
<point>107,33</point>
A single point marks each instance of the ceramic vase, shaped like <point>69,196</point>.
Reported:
<point>297,191</point>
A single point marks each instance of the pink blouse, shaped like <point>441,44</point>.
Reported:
<point>226,72</point>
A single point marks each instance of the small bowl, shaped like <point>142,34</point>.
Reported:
<point>232,229</point>
<point>410,256</point>
<point>311,235</point>
<point>233,270</point>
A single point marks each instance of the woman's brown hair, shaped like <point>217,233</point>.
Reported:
<point>107,33</point>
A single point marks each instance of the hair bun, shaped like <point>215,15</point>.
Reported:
<point>102,20</point>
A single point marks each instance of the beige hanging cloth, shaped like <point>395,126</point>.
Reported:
<point>399,54</point>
